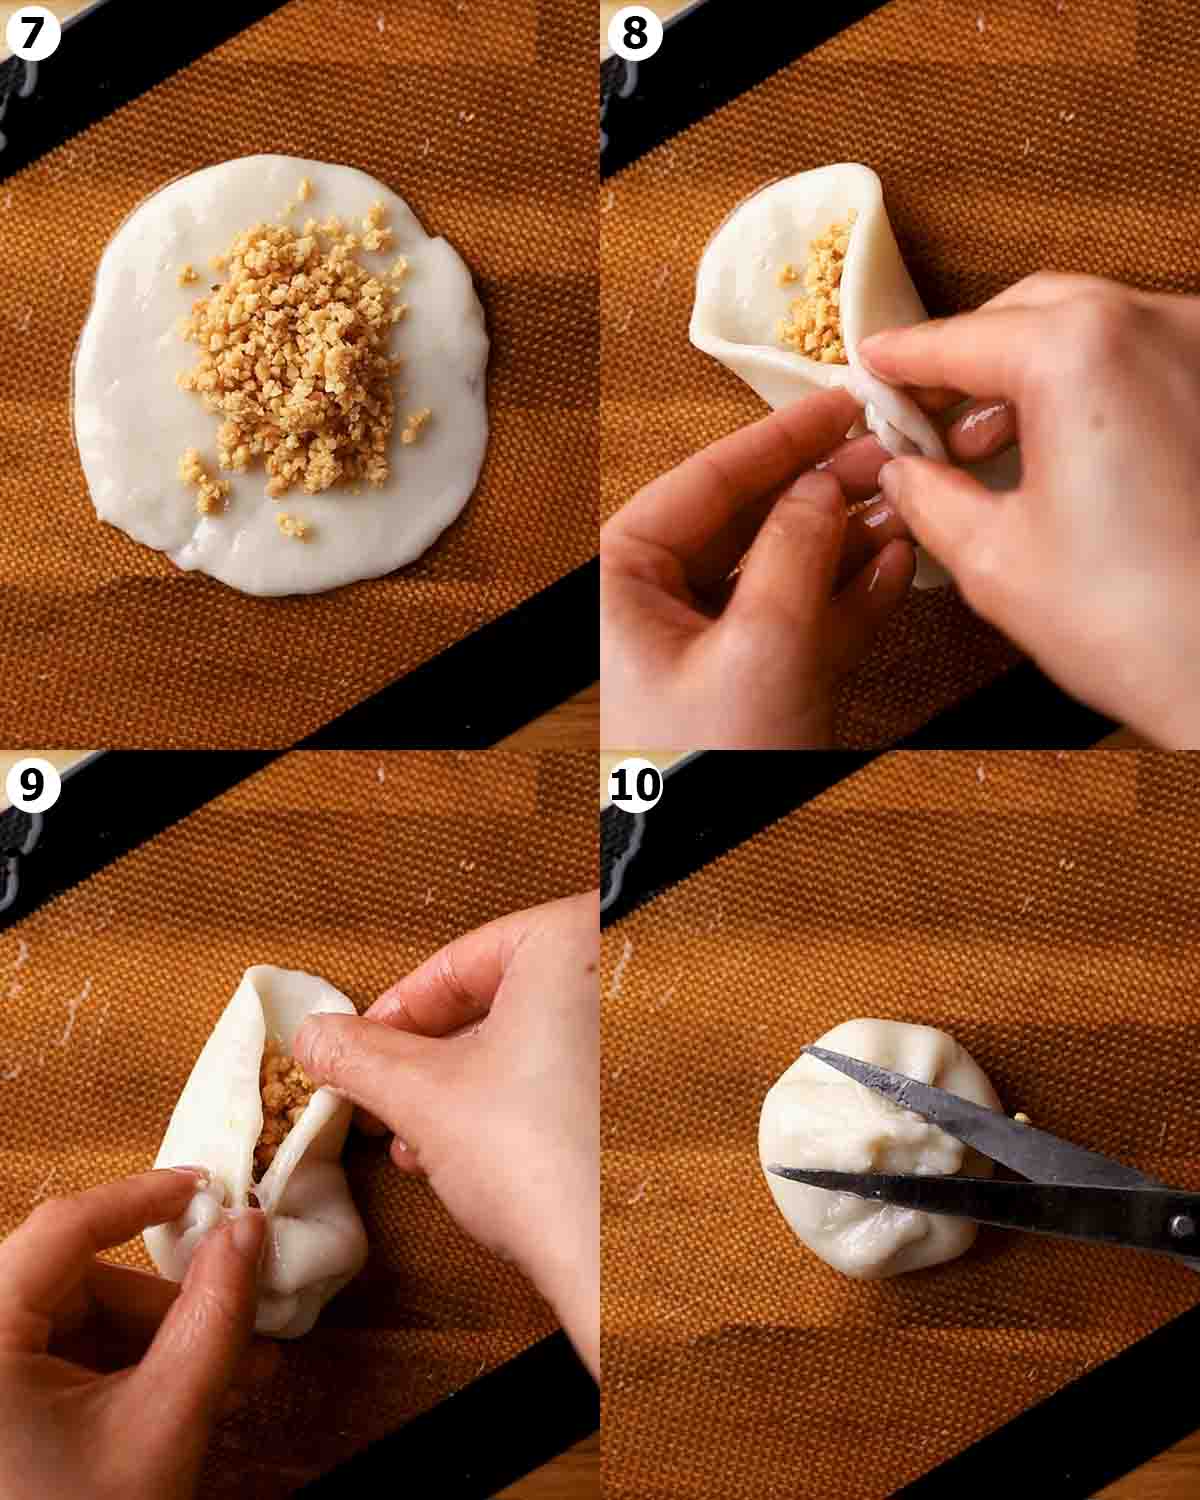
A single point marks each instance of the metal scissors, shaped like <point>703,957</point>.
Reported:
<point>1071,1192</point>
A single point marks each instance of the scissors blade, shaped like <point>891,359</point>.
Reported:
<point>1036,1154</point>
<point>1144,1218</point>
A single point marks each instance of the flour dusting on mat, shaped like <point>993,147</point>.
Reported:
<point>73,1011</point>
<point>614,989</point>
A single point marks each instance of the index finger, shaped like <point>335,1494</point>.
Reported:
<point>45,1259</point>
<point>455,987</point>
<point>981,353</point>
<point>689,510</point>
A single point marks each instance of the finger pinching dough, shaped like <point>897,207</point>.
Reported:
<point>815,1116</point>
<point>792,281</point>
<point>251,1118</point>
<point>281,381</point>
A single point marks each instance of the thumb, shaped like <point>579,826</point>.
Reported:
<point>868,601</point>
<point>950,513</point>
<point>176,1390</point>
<point>382,1070</point>
<point>788,575</point>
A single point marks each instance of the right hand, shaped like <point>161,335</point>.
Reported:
<point>485,1064</point>
<point>1092,564</point>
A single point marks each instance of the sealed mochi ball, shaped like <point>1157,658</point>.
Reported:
<point>815,1116</point>
<point>281,381</point>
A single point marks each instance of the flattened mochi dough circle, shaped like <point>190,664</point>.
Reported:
<point>133,423</point>
<point>814,1116</point>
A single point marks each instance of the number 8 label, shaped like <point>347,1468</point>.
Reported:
<point>635,33</point>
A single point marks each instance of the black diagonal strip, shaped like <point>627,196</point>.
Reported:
<point>110,56</point>
<point>709,56</point>
<point>1021,710</point>
<point>1099,1427</point>
<point>712,802</point>
<point>709,805</point>
<point>114,803</point>
<point>491,1433</point>
<point>489,684</point>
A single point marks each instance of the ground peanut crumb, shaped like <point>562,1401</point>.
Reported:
<point>286,1089</point>
<point>211,494</point>
<point>400,270</point>
<point>293,526</point>
<point>294,357</point>
<point>814,327</point>
<point>187,275</point>
<point>305,191</point>
<point>191,470</point>
<point>787,274</point>
<point>413,426</point>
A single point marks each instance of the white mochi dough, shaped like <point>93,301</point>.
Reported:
<point>132,423</point>
<point>315,1239</point>
<point>815,1116</point>
<point>739,304</point>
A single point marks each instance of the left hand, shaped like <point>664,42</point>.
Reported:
<point>78,1419</point>
<point>691,655</point>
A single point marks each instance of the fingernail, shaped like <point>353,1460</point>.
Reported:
<point>878,513</point>
<point>247,1231</point>
<point>982,414</point>
<point>201,1174</point>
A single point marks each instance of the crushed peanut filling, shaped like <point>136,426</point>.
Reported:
<point>295,361</point>
<point>814,326</point>
<point>414,426</point>
<point>187,275</point>
<point>211,494</point>
<point>293,526</point>
<point>286,1089</point>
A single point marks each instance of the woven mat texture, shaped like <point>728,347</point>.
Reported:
<point>354,867</point>
<point>1062,135</point>
<point>1043,911</point>
<point>478,116</point>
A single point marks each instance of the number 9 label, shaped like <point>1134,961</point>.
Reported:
<point>635,33</point>
<point>33,785</point>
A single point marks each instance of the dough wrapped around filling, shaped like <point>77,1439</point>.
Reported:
<point>286,1089</point>
<point>814,325</point>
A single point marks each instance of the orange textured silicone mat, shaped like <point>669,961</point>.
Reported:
<point>354,867</point>
<point>1042,909</point>
<point>1059,135</point>
<point>479,116</point>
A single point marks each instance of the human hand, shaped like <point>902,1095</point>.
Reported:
<point>686,658</point>
<point>74,1424</point>
<point>1092,563</point>
<point>485,1063</point>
